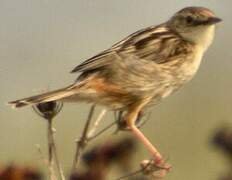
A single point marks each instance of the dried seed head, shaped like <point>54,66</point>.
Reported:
<point>48,110</point>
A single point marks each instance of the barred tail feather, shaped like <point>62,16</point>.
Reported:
<point>46,97</point>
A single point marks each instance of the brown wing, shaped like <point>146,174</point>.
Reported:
<point>159,45</point>
<point>101,59</point>
<point>105,57</point>
<point>153,43</point>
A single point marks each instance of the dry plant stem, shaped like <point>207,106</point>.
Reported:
<point>81,143</point>
<point>102,131</point>
<point>147,170</point>
<point>52,153</point>
<point>96,123</point>
<point>56,158</point>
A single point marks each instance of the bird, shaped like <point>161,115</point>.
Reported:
<point>141,69</point>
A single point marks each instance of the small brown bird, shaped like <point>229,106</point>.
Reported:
<point>143,68</point>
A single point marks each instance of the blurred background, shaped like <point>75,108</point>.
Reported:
<point>42,41</point>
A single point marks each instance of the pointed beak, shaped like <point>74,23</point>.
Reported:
<point>209,21</point>
<point>213,20</point>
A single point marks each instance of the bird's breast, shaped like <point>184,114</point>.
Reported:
<point>182,73</point>
<point>191,64</point>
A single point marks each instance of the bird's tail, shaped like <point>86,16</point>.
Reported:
<point>46,97</point>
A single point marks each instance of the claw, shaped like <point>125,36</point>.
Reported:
<point>150,166</point>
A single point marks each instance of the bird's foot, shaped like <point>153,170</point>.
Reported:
<point>160,163</point>
<point>156,168</point>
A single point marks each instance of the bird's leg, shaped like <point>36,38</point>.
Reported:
<point>130,119</point>
<point>147,143</point>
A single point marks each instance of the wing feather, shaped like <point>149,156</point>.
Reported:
<point>101,59</point>
<point>153,43</point>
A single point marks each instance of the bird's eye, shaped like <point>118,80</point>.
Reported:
<point>189,19</point>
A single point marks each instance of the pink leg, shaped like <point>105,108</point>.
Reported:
<point>131,118</point>
<point>147,143</point>
<point>157,156</point>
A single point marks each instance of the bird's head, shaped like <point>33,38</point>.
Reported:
<point>196,24</point>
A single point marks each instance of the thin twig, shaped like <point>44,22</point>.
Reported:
<point>46,163</point>
<point>81,143</point>
<point>147,168</point>
<point>101,131</point>
<point>54,150</point>
<point>96,123</point>
<point>50,147</point>
<point>48,111</point>
<point>141,170</point>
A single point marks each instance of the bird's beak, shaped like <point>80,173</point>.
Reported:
<point>213,20</point>
<point>209,21</point>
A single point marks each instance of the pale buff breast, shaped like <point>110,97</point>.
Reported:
<point>190,65</point>
<point>203,40</point>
